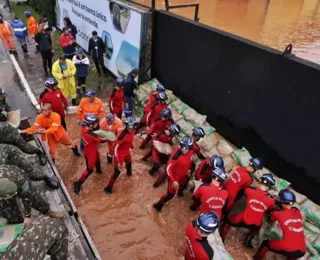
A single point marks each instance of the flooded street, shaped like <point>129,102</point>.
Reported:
<point>274,23</point>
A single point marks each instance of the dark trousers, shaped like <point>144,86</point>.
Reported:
<point>64,124</point>
<point>47,60</point>
<point>98,61</point>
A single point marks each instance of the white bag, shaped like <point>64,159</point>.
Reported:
<point>229,163</point>
<point>208,142</point>
<point>14,118</point>
<point>72,110</point>
<point>224,147</point>
<point>220,252</point>
<point>162,147</point>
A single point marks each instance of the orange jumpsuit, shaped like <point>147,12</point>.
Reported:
<point>32,26</point>
<point>116,128</point>
<point>86,107</point>
<point>6,34</point>
<point>53,130</point>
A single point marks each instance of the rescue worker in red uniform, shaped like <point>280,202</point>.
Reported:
<point>91,153</point>
<point>162,123</point>
<point>54,96</point>
<point>258,203</point>
<point>239,180</point>
<point>197,245</point>
<point>197,134</point>
<point>164,136</point>
<point>116,99</point>
<point>155,109</point>
<point>293,244</point>
<point>211,197</point>
<point>205,168</point>
<point>152,100</point>
<point>178,168</point>
<point>122,152</point>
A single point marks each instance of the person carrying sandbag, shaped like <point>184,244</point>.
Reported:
<point>116,98</point>
<point>112,124</point>
<point>205,168</point>
<point>197,134</point>
<point>258,203</point>
<point>293,243</point>
<point>91,153</point>
<point>162,123</point>
<point>164,136</point>
<point>197,245</point>
<point>240,179</point>
<point>211,196</point>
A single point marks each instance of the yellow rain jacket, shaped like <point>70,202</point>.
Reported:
<point>68,84</point>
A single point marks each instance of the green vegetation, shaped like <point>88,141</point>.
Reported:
<point>45,7</point>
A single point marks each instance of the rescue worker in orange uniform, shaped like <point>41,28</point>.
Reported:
<point>32,28</point>
<point>89,105</point>
<point>6,35</point>
<point>112,124</point>
<point>49,123</point>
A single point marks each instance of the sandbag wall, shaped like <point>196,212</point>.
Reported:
<point>213,143</point>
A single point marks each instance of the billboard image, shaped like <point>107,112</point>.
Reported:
<point>119,26</point>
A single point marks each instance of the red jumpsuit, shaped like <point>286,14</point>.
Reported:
<point>197,151</point>
<point>116,101</point>
<point>153,98</point>
<point>147,109</point>
<point>57,100</point>
<point>211,198</point>
<point>197,247</point>
<point>177,170</point>
<point>239,180</point>
<point>293,244</point>
<point>204,171</point>
<point>164,138</point>
<point>91,153</point>
<point>154,113</point>
<point>122,153</point>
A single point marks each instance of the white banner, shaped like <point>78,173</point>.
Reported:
<point>118,25</point>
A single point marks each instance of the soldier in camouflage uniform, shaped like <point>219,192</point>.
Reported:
<point>4,107</point>
<point>9,208</point>
<point>10,135</point>
<point>11,155</point>
<point>43,236</point>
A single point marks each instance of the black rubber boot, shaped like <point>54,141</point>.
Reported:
<point>77,186</point>
<point>155,185</point>
<point>154,168</point>
<point>157,207</point>
<point>98,168</point>
<point>84,91</point>
<point>74,101</point>
<point>129,169</point>
<point>108,190</point>
<point>52,183</point>
<point>75,151</point>
<point>42,158</point>
<point>109,158</point>
<point>54,161</point>
<point>248,241</point>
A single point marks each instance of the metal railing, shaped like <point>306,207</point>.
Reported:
<point>195,5</point>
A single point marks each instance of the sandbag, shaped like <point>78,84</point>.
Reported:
<point>179,106</point>
<point>257,174</point>
<point>242,156</point>
<point>72,110</point>
<point>197,184</point>
<point>14,118</point>
<point>275,231</point>
<point>213,151</point>
<point>175,115</point>
<point>280,183</point>
<point>149,86</point>
<point>316,243</point>
<point>220,252</point>
<point>186,127</point>
<point>8,234</point>
<point>229,163</point>
<point>139,111</point>
<point>300,198</point>
<point>195,118</point>
<point>224,147</point>
<point>106,134</point>
<point>207,128</point>
<point>311,228</point>
<point>162,147</point>
<point>140,95</point>
<point>171,97</point>
<point>312,211</point>
<point>208,142</point>
<point>176,140</point>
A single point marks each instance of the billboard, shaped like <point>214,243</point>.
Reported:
<point>120,26</point>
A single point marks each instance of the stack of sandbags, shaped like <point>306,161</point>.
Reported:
<point>171,97</point>
<point>220,252</point>
<point>195,118</point>
<point>179,106</point>
<point>186,127</point>
<point>312,212</point>
<point>208,129</point>
<point>208,142</point>
<point>229,163</point>
<point>242,156</point>
<point>149,86</point>
<point>175,115</point>
<point>224,148</point>
<point>280,185</point>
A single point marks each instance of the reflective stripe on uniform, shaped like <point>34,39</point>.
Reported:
<point>20,29</point>
<point>55,124</point>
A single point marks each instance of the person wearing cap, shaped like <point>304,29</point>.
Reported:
<point>112,124</point>
<point>240,179</point>
<point>128,89</point>
<point>178,168</point>
<point>21,33</point>
<point>10,135</point>
<point>197,245</point>
<point>44,41</point>
<point>97,51</point>
<point>48,124</point>
<point>116,99</point>
<point>6,35</point>
<point>30,197</point>
<point>258,203</point>
<point>44,235</point>
<point>82,63</point>
<point>293,243</point>
<point>205,168</point>
<point>211,196</point>
<point>67,43</point>
<point>63,70</point>
<point>4,107</point>
<point>32,28</point>
<point>55,97</point>
<point>122,152</point>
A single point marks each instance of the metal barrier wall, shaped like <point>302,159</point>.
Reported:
<point>255,96</point>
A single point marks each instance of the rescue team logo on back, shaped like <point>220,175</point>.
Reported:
<point>235,175</point>
<point>189,247</point>
<point>217,199</point>
<point>296,220</point>
<point>260,203</point>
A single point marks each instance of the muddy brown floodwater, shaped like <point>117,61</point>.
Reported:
<point>274,23</point>
<point>124,225</point>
